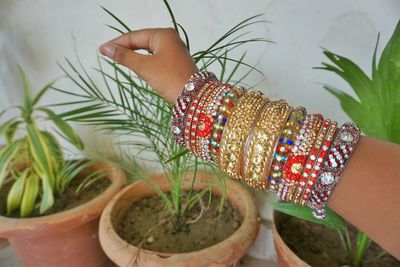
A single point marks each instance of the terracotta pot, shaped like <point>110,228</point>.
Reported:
<point>225,253</point>
<point>68,238</point>
<point>285,256</point>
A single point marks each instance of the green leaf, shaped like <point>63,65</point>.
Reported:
<point>363,242</point>
<point>27,91</point>
<point>353,109</point>
<point>377,111</point>
<point>389,63</point>
<point>14,197</point>
<point>7,154</point>
<point>30,195</point>
<point>171,14</point>
<point>41,153</point>
<point>353,75</point>
<point>10,133</point>
<point>117,19</point>
<point>47,196</point>
<point>56,150</point>
<point>65,128</point>
<point>8,128</point>
<point>41,92</point>
<point>332,220</point>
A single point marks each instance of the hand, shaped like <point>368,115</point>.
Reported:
<point>168,67</point>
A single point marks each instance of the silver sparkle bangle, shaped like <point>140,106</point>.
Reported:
<point>344,142</point>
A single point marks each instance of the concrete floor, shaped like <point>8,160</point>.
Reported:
<point>8,259</point>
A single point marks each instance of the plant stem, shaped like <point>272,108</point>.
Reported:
<point>363,241</point>
<point>344,239</point>
<point>171,15</point>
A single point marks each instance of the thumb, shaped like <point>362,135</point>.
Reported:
<point>126,57</point>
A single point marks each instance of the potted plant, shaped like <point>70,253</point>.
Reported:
<point>50,206</point>
<point>335,242</point>
<point>184,216</point>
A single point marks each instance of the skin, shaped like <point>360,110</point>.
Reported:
<point>368,195</point>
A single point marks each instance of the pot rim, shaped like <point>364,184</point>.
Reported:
<point>283,247</point>
<point>249,224</point>
<point>14,227</point>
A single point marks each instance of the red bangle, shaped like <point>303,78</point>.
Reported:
<point>194,113</point>
<point>317,156</point>
<point>294,166</point>
<point>182,103</point>
<point>344,142</point>
<point>284,146</point>
<point>205,122</point>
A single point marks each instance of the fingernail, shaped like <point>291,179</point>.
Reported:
<point>107,50</point>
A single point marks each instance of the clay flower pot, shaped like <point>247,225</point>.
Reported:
<point>68,238</point>
<point>225,253</point>
<point>285,256</point>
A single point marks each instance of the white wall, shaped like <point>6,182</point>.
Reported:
<point>36,34</point>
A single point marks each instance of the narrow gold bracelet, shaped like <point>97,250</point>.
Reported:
<point>262,142</point>
<point>236,132</point>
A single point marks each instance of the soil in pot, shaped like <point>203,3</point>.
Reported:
<point>147,225</point>
<point>319,245</point>
<point>66,201</point>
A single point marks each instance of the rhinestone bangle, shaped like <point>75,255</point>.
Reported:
<point>236,131</point>
<point>343,144</point>
<point>314,161</point>
<point>206,120</point>
<point>182,103</point>
<point>262,142</point>
<point>294,166</point>
<point>285,144</point>
<point>194,113</point>
<point>223,113</point>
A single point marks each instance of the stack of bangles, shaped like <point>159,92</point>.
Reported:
<point>268,144</point>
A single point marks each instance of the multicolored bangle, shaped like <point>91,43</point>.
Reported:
<point>201,127</point>
<point>222,115</point>
<point>343,144</point>
<point>295,164</point>
<point>285,144</point>
<point>266,143</point>
<point>182,103</point>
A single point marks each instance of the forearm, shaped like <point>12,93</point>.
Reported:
<point>368,194</point>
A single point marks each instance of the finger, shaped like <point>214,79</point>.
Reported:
<point>140,39</point>
<point>126,57</point>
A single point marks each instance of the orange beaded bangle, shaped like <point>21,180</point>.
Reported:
<point>318,155</point>
<point>294,166</point>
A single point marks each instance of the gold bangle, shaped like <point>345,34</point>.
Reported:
<point>236,131</point>
<point>262,142</point>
